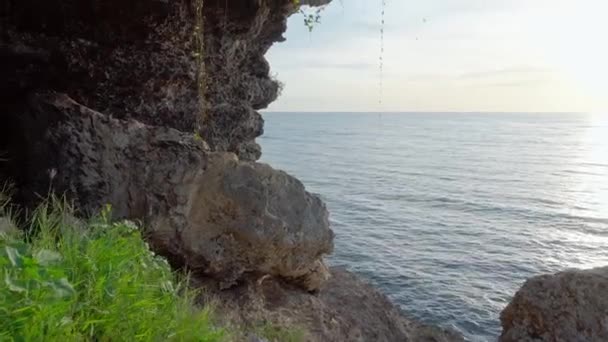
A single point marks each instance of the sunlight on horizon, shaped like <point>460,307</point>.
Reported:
<point>596,185</point>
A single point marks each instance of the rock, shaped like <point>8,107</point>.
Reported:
<point>130,60</point>
<point>567,306</point>
<point>247,217</point>
<point>345,309</point>
<point>96,159</point>
<point>143,60</point>
<point>315,2</point>
<point>254,338</point>
<point>207,211</point>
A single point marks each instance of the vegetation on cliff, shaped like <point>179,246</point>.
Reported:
<point>97,280</point>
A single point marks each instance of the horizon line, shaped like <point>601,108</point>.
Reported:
<point>428,112</point>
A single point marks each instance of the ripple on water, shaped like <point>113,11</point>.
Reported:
<point>450,213</point>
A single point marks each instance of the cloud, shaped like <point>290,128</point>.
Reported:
<point>522,83</point>
<point>339,65</point>
<point>477,54</point>
<point>517,71</point>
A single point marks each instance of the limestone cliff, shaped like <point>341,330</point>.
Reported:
<point>142,60</point>
<point>151,106</point>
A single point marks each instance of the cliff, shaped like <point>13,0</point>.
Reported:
<point>115,102</point>
<point>151,106</point>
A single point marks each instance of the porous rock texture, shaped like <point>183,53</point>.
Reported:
<point>345,309</point>
<point>141,59</point>
<point>208,211</point>
<point>112,99</point>
<point>568,306</point>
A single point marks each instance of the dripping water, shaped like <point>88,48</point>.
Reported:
<point>381,60</point>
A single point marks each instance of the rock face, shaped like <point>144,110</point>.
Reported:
<point>345,309</point>
<point>113,99</point>
<point>143,60</point>
<point>208,211</point>
<point>130,60</point>
<point>568,306</point>
<point>249,217</point>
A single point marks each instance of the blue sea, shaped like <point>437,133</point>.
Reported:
<point>449,213</point>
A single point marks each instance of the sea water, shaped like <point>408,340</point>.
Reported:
<point>449,213</point>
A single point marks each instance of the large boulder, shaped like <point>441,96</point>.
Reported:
<point>208,211</point>
<point>247,217</point>
<point>569,306</point>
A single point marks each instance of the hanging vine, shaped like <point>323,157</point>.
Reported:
<point>199,41</point>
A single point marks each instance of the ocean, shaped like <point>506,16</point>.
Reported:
<point>449,213</point>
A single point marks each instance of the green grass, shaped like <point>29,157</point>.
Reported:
<point>66,280</point>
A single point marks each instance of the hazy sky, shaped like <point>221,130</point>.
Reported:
<point>448,55</point>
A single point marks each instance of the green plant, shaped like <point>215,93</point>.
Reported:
<point>197,136</point>
<point>275,333</point>
<point>92,281</point>
<point>311,16</point>
<point>4,197</point>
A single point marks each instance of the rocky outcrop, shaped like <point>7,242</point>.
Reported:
<point>567,306</point>
<point>143,60</point>
<point>248,217</point>
<point>133,105</point>
<point>129,60</point>
<point>208,211</point>
<point>345,309</point>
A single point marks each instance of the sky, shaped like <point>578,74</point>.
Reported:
<point>447,55</point>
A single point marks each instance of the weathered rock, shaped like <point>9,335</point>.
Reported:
<point>129,60</point>
<point>142,60</point>
<point>247,217</point>
<point>254,338</point>
<point>208,211</point>
<point>345,309</point>
<point>97,159</point>
<point>568,306</point>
